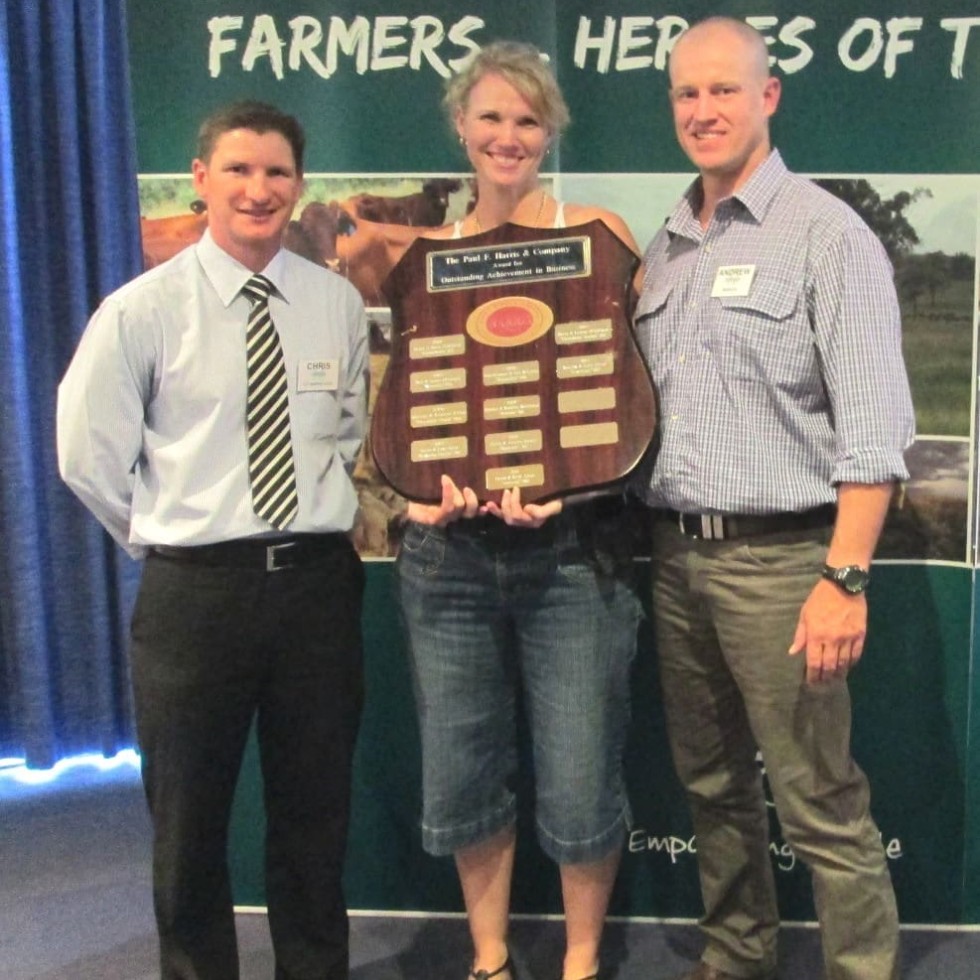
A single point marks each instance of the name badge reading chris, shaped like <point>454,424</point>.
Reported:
<point>318,375</point>
<point>733,280</point>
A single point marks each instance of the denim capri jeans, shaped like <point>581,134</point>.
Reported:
<point>489,609</point>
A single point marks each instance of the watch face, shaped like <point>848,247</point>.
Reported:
<point>854,579</point>
<point>851,578</point>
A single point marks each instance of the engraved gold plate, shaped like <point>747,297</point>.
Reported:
<point>449,413</point>
<point>584,331</point>
<point>586,400</point>
<point>427,450</point>
<point>600,434</point>
<point>450,379</point>
<point>452,346</point>
<point>584,367</point>
<point>509,321</point>
<point>499,443</point>
<point>519,372</point>
<point>507,477</point>
<point>471,267</point>
<point>519,407</point>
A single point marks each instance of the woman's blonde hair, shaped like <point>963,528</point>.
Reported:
<point>520,65</point>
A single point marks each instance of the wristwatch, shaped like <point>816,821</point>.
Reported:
<point>853,579</point>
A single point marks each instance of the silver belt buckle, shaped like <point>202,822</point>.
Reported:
<point>712,527</point>
<point>270,555</point>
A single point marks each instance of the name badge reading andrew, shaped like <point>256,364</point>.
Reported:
<point>733,280</point>
<point>318,375</point>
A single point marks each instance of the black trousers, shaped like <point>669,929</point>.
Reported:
<point>214,647</point>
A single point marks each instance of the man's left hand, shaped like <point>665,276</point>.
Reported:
<point>831,629</point>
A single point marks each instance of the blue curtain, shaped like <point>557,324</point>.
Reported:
<point>69,234</point>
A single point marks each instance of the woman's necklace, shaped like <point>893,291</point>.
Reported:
<point>537,217</point>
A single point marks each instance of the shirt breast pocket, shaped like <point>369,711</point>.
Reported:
<point>317,414</point>
<point>766,336</point>
<point>656,341</point>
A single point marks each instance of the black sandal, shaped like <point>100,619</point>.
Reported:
<point>508,967</point>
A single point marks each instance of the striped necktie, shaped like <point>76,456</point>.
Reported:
<point>270,454</point>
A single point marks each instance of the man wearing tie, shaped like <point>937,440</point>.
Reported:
<point>210,419</point>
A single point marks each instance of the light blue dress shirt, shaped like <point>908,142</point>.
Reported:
<point>770,399</point>
<point>151,412</point>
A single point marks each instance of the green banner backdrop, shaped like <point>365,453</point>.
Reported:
<point>871,87</point>
<point>884,98</point>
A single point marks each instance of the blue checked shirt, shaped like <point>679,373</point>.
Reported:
<point>769,400</point>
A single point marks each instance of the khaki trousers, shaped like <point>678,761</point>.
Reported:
<point>725,613</point>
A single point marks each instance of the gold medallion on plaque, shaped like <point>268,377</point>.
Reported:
<point>509,321</point>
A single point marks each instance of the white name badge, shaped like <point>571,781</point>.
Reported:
<point>318,375</point>
<point>733,280</point>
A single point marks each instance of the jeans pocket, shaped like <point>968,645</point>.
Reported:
<point>423,549</point>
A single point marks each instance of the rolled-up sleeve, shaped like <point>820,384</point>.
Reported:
<point>857,325</point>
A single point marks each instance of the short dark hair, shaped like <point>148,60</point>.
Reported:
<point>260,117</point>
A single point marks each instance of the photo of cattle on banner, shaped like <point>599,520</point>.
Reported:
<point>359,228</point>
<point>359,237</point>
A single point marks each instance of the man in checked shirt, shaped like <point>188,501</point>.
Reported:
<point>771,325</point>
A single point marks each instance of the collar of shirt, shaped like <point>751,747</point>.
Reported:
<point>227,275</point>
<point>756,196</point>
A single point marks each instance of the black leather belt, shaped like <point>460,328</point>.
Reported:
<point>267,554</point>
<point>724,527</point>
<point>494,529</point>
<point>498,533</point>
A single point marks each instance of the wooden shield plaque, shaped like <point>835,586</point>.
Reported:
<point>513,364</point>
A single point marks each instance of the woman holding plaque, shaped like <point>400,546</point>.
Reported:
<point>508,604</point>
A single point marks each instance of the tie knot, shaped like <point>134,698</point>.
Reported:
<point>258,288</point>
